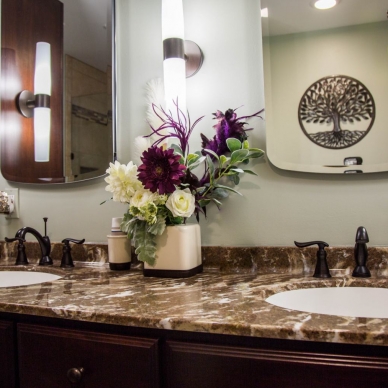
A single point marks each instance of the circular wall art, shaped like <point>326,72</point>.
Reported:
<point>336,112</point>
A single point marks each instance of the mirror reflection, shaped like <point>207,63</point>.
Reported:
<point>326,85</point>
<point>82,132</point>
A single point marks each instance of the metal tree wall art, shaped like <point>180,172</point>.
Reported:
<point>336,112</point>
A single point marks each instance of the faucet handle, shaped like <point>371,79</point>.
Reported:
<point>9,240</point>
<point>21,258</point>
<point>67,260</point>
<point>321,268</point>
<point>321,244</point>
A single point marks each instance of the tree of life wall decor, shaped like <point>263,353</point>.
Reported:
<point>336,112</point>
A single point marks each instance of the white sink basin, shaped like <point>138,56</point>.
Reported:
<point>24,278</point>
<point>362,302</point>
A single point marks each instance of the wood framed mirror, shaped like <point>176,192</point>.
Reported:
<point>82,101</point>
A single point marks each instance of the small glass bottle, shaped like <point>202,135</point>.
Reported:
<point>119,247</point>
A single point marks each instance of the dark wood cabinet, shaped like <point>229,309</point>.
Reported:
<point>39,352</point>
<point>7,355</point>
<point>49,357</point>
<point>193,365</point>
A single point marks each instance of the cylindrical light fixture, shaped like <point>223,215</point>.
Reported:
<point>37,104</point>
<point>174,65</point>
<point>42,114</point>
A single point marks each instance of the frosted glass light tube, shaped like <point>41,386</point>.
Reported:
<point>175,84</point>
<point>174,67</point>
<point>172,19</point>
<point>42,115</point>
<point>42,80</point>
<point>42,124</point>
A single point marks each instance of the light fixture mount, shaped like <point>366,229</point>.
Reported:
<point>194,58</point>
<point>26,101</point>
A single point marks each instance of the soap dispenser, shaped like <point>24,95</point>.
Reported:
<point>119,247</point>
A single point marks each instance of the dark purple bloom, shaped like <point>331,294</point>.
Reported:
<point>229,125</point>
<point>160,171</point>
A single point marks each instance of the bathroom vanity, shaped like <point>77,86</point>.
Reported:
<point>119,329</point>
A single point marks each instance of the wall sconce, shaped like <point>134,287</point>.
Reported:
<point>37,104</point>
<point>181,59</point>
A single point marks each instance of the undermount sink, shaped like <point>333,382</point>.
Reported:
<point>362,302</point>
<point>24,278</point>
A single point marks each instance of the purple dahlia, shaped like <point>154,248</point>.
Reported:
<point>160,171</point>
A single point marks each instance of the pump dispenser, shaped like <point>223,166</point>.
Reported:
<point>119,247</point>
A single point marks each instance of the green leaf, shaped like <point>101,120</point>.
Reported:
<point>246,145</point>
<point>235,179</point>
<point>191,158</point>
<point>145,243</point>
<point>203,202</point>
<point>233,144</point>
<point>196,163</point>
<point>238,170</point>
<point>211,167</point>
<point>171,220</point>
<point>219,194</point>
<point>223,159</point>
<point>211,153</point>
<point>255,153</point>
<point>218,203</point>
<point>128,224</point>
<point>250,172</point>
<point>177,149</point>
<point>238,156</point>
<point>158,227</point>
<point>228,188</point>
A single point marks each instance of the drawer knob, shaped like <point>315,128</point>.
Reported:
<point>75,374</point>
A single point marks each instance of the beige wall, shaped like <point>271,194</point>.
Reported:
<point>278,207</point>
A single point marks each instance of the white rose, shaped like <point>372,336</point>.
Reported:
<point>181,203</point>
<point>142,197</point>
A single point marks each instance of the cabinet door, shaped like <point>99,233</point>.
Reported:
<point>47,355</point>
<point>7,355</point>
<point>212,366</point>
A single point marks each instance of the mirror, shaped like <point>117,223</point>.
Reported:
<point>82,101</point>
<point>326,85</point>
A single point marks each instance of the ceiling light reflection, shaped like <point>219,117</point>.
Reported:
<point>325,4</point>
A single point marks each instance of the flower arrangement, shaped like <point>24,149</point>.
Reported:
<point>164,190</point>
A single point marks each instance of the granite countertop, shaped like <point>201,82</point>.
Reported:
<point>216,301</point>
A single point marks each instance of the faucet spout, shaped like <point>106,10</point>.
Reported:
<point>44,243</point>
<point>361,254</point>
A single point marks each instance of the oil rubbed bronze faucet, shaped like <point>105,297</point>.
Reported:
<point>44,243</point>
<point>361,254</point>
<point>321,267</point>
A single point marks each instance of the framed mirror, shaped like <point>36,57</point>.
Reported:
<point>82,101</point>
<point>326,85</point>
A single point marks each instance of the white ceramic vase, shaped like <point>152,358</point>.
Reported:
<point>178,253</point>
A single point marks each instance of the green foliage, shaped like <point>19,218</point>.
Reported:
<point>143,236</point>
<point>233,144</point>
<point>222,166</point>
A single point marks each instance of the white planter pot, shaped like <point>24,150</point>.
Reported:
<point>178,253</point>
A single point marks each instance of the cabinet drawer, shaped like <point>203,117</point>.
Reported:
<point>193,365</point>
<point>46,354</point>
<point>7,355</point>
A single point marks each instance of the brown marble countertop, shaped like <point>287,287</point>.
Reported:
<point>213,302</point>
